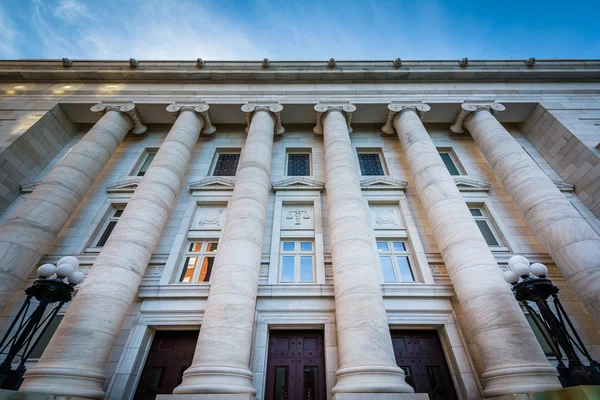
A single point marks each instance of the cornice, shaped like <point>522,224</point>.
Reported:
<point>385,70</point>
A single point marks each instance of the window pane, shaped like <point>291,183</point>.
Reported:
<point>487,233</point>
<point>226,165</point>
<point>538,335</point>
<point>289,246</point>
<point>383,246</point>
<point>195,247</point>
<point>287,269</point>
<point>476,212</point>
<point>106,234</point>
<point>306,269</point>
<point>118,213</point>
<point>370,164</point>
<point>311,382</point>
<point>207,264</point>
<point>146,164</point>
<point>298,164</point>
<point>212,247</point>
<point>305,246</point>
<point>449,164</point>
<point>399,246</point>
<point>188,269</point>
<point>389,275</point>
<point>39,348</point>
<point>280,389</point>
<point>405,270</point>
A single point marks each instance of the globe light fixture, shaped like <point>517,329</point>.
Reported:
<point>53,288</point>
<point>530,284</point>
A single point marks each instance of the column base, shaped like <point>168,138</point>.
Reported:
<point>371,379</point>
<point>12,395</point>
<point>526,379</point>
<point>380,396</point>
<point>570,393</point>
<point>212,396</point>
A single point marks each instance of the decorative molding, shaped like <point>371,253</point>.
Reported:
<point>67,63</point>
<point>209,217</point>
<point>465,184</point>
<point>467,109</point>
<point>397,63</point>
<point>212,183</point>
<point>266,63</point>
<point>298,183</point>
<point>382,183</point>
<point>331,63</point>
<point>464,62</point>
<point>200,63</point>
<point>200,108</point>
<point>273,108</point>
<point>563,186</point>
<point>29,187</point>
<point>395,108</point>
<point>129,109</point>
<point>126,186</point>
<point>323,108</point>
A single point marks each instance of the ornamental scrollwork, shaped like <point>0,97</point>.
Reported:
<point>273,109</point>
<point>201,109</point>
<point>129,109</point>
<point>395,109</point>
<point>467,109</point>
<point>323,109</point>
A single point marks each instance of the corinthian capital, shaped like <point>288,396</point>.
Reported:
<point>323,109</point>
<point>200,108</point>
<point>467,109</point>
<point>273,108</point>
<point>129,109</point>
<point>396,108</point>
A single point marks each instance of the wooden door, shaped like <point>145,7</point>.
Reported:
<point>296,366</point>
<point>420,355</point>
<point>170,355</point>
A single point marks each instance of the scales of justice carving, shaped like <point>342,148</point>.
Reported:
<point>386,217</point>
<point>297,214</point>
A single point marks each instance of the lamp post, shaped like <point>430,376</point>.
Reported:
<point>530,284</point>
<point>48,289</point>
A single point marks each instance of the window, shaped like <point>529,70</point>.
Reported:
<point>40,346</point>
<point>108,227</point>
<point>395,264</point>
<point>227,164</point>
<point>199,260</point>
<point>298,164</point>
<point>484,226</point>
<point>449,161</point>
<point>297,261</point>
<point>539,336</point>
<point>145,164</point>
<point>370,164</point>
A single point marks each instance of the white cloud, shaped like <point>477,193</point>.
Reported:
<point>71,11</point>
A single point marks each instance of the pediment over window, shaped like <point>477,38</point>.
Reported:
<point>382,183</point>
<point>298,183</point>
<point>28,188</point>
<point>212,183</point>
<point>471,185</point>
<point>126,186</point>
<point>563,186</point>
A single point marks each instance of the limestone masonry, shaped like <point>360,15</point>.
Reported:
<point>299,230</point>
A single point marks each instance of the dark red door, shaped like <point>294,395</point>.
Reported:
<point>170,355</point>
<point>420,355</point>
<point>296,366</point>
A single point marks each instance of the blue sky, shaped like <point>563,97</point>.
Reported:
<point>298,30</point>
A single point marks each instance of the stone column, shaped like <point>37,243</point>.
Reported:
<point>33,227</point>
<point>73,363</point>
<point>365,353</point>
<point>221,362</point>
<point>513,361</point>
<point>572,243</point>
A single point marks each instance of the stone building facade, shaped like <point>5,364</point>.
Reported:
<point>299,229</point>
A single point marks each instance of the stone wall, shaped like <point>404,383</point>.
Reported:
<point>567,135</point>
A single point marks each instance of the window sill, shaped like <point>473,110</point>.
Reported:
<point>499,249</point>
<point>94,250</point>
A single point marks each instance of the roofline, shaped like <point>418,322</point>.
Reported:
<point>543,70</point>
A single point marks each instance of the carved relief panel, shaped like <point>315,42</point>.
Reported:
<point>209,218</point>
<point>297,217</point>
<point>385,217</point>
